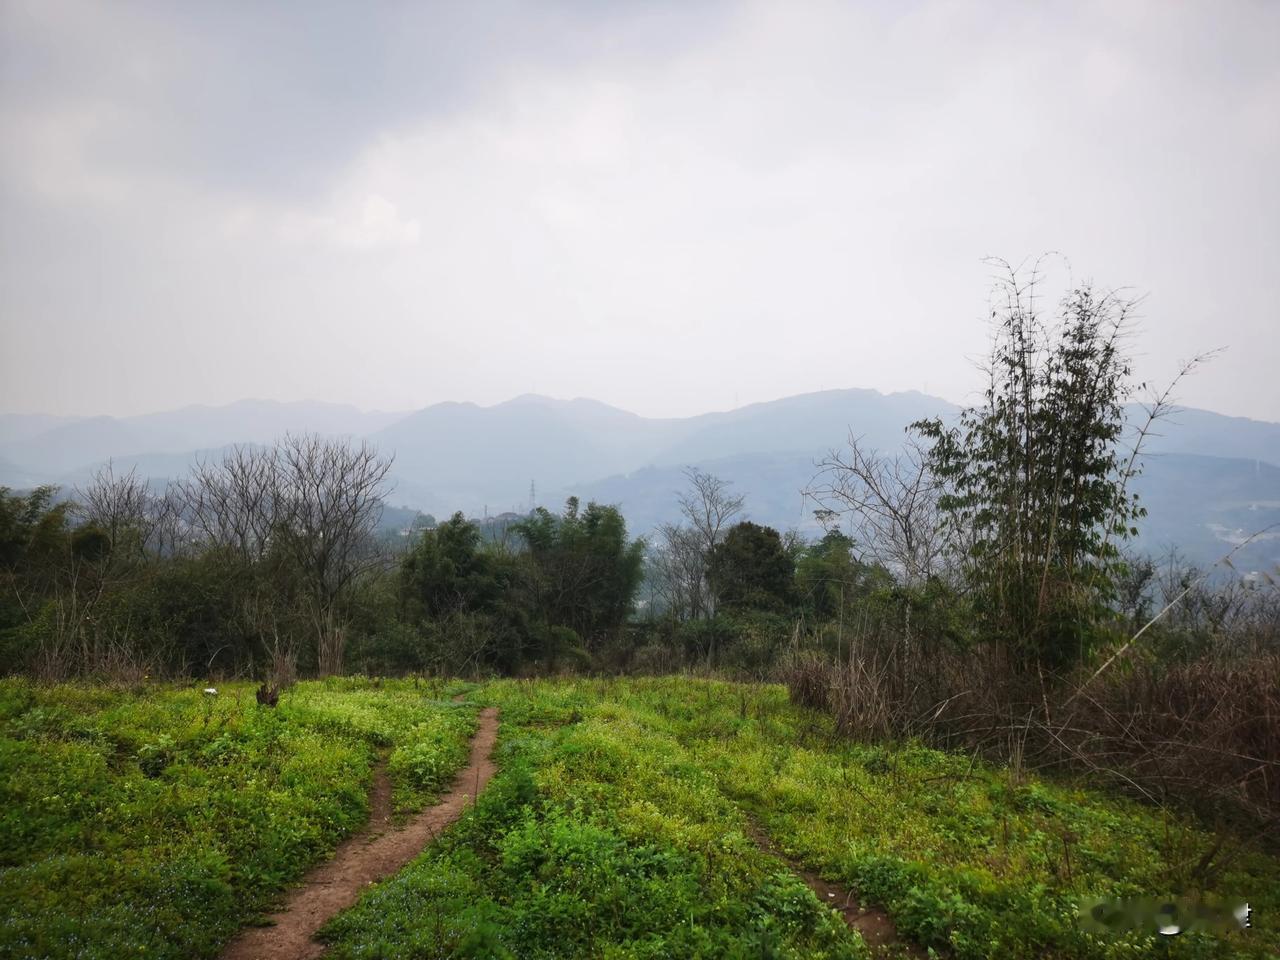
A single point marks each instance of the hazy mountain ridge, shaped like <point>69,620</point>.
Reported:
<point>1206,472</point>
<point>73,444</point>
<point>1204,433</point>
<point>16,427</point>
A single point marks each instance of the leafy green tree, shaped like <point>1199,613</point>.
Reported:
<point>34,532</point>
<point>35,540</point>
<point>751,569</point>
<point>829,576</point>
<point>1036,477</point>
<point>470,600</point>
<point>447,571</point>
<point>587,570</point>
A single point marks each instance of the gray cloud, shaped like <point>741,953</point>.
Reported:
<point>279,97</point>
<point>669,207</point>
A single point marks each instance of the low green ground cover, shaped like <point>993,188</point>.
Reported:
<point>597,838</point>
<point>155,823</point>
<point>617,828</point>
<point>963,856</point>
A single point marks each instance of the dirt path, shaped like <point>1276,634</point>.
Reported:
<point>872,923</point>
<point>375,853</point>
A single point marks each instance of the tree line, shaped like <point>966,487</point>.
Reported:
<point>269,560</point>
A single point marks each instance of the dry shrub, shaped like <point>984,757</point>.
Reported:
<point>282,672</point>
<point>1204,734</point>
<point>1206,731</point>
<point>810,679</point>
<point>654,659</point>
<point>109,661</point>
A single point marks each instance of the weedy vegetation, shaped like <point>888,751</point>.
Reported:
<point>619,826</point>
<point>157,822</point>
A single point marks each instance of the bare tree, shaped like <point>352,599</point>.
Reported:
<point>166,526</point>
<point>709,508</point>
<point>891,503</point>
<point>237,502</point>
<point>334,491</point>
<point>113,546</point>
<point>680,571</point>
<point>309,506</point>
<point>121,507</point>
<point>234,508</point>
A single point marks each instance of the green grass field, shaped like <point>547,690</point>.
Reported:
<point>156,824</point>
<point>619,825</point>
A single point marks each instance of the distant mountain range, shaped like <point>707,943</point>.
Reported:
<point>1210,481</point>
<point>55,446</point>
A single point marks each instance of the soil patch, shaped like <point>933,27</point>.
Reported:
<point>379,803</point>
<point>874,925</point>
<point>377,852</point>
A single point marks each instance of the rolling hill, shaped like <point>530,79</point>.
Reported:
<point>1210,476</point>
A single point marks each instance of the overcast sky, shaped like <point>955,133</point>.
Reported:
<point>671,207</point>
